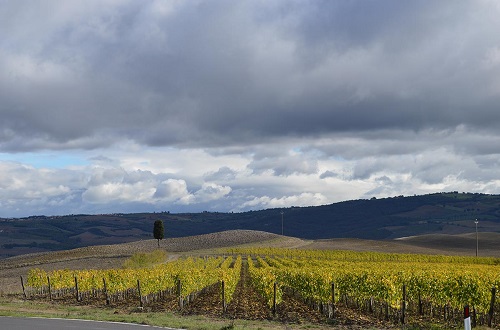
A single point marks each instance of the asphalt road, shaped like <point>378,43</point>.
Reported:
<point>14,323</point>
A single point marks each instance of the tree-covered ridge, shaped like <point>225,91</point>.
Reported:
<point>382,218</point>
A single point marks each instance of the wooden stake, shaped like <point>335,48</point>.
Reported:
<point>420,306</point>
<point>274,299</point>
<point>333,300</point>
<point>77,291</point>
<point>106,291</point>
<point>22,284</point>
<point>492,305</point>
<point>140,294</point>
<point>223,297</point>
<point>403,305</point>
<point>179,293</point>
<point>50,289</point>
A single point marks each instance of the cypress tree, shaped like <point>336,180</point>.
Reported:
<point>158,231</point>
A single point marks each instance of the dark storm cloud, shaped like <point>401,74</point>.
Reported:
<point>236,105</point>
<point>202,73</point>
<point>285,166</point>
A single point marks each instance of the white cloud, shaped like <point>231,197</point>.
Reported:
<point>304,199</point>
<point>211,192</point>
<point>118,192</point>
<point>199,105</point>
<point>173,191</point>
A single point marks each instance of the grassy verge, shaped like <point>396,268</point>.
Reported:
<point>16,307</point>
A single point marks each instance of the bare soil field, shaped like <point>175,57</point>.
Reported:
<point>463,244</point>
<point>438,244</point>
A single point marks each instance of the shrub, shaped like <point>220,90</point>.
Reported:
<point>142,260</point>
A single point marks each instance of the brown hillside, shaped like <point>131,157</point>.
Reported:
<point>463,244</point>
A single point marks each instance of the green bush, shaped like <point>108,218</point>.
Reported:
<point>143,260</point>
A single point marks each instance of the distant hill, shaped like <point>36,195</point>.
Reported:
<point>374,219</point>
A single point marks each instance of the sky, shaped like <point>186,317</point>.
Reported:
<point>221,105</point>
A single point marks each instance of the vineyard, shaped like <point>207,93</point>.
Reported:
<point>292,285</point>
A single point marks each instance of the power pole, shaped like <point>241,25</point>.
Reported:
<point>477,238</point>
<point>282,222</point>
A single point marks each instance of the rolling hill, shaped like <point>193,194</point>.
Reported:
<point>375,219</point>
<point>113,255</point>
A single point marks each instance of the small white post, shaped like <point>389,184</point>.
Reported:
<point>467,325</point>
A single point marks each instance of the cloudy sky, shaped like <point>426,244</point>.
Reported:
<point>223,105</point>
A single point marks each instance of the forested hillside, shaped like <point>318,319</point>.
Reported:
<point>387,218</point>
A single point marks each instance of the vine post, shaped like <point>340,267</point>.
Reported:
<point>333,300</point>
<point>403,305</point>
<point>140,293</point>
<point>50,288</point>
<point>223,297</point>
<point>274,298</point>
<point>420,305</point>
<point>76,289</point>
<point>22,284</point>
<point>179,293</point>
<point>492,305</point>
<point>106,291</point>
<point>474,317</point>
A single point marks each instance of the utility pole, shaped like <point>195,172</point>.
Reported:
<point>477,238</point>
<point>282,222</point>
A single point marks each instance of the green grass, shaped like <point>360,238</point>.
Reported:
<point>15,307</point>
<point>144,260</point>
